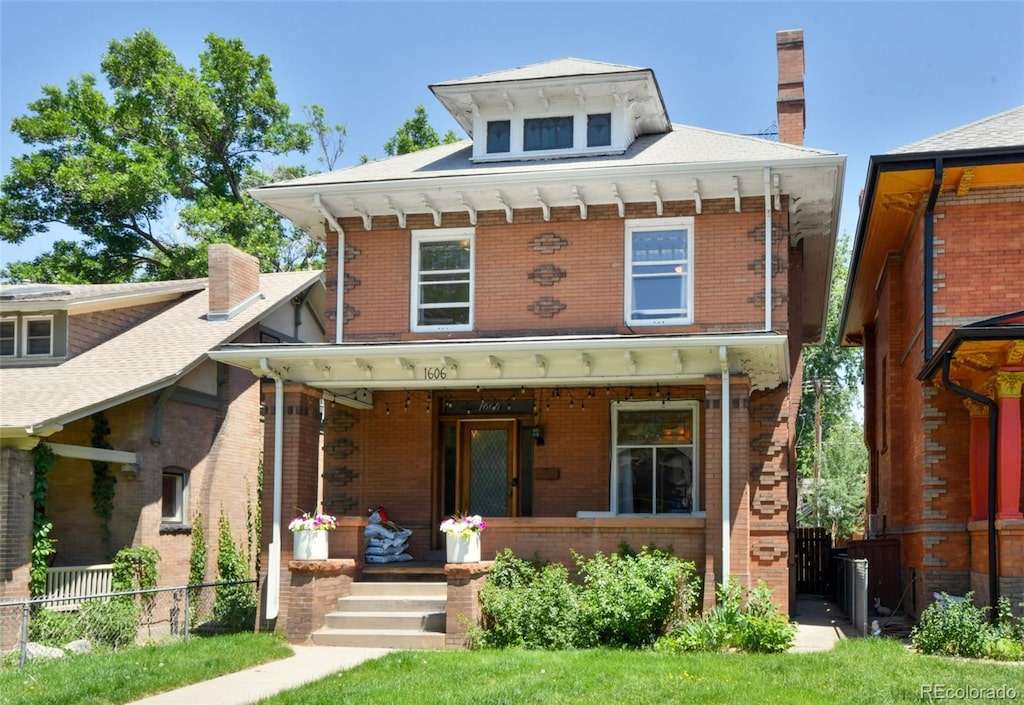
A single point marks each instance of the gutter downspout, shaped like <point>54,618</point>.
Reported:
<point>274,569</point>
<point>929,245</point>
<point>339,322</point>
<point>993,455</point>
<point>723,357</point>
<point>767,248</point>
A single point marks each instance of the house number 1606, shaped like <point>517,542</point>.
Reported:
<point>435,373</point>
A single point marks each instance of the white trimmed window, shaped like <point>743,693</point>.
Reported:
<point>8,337</point>
<point>442,280</point>
<point>659,271</point>
<point>541,133</point>
<point>654,458</point>
<point>174,497</point>
<point>38,336</point>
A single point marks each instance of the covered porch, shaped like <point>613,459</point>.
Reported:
<point>564,445</point>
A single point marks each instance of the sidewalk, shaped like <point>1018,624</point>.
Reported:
<point>820,625</point>
<point>310,663</point>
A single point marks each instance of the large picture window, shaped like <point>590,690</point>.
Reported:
<point>659,271</point>
<point>655,458</point>
<point>442,278</point>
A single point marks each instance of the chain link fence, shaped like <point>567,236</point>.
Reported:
<point>118,620</point>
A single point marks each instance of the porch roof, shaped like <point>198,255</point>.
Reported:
<point>351,371</point>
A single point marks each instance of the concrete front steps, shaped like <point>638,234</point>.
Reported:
<point>395,615</point>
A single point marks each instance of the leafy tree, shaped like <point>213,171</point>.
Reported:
<point>153,173</point>
<point>835,374</point>
<point>416,134</point>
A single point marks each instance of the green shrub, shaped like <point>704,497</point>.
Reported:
<point>234,606</point>
<point>629,598</point>
<point>54,628</point>
<point>114,623</point>
<point>959,628</point>
<point>756,627</point>
<point>620,600</point>
<point>528,606</point>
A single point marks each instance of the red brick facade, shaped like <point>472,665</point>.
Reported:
<point>919,432</point>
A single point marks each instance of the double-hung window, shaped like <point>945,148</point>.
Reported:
<point>655,458</point>
<point>38,335</point>
<point>442,280</point>
<point>659,271</point>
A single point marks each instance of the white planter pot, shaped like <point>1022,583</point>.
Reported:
<point>464,549</point>
<point>310,545</point>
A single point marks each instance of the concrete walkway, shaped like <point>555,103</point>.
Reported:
<point>820,625</point>
<point>310,663</point>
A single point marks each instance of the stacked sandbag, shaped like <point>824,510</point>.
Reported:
<point>386,542</point>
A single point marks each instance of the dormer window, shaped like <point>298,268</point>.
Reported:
<point>499,136</point>
<point>579,133</point>
<point>8,337</point>
<point>39,336</point>
<point>547,133</point>
<point>599,130</point>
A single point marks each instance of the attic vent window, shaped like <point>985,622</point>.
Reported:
<point>547,133</point>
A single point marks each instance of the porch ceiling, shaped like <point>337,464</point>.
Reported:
<point>535,362</point>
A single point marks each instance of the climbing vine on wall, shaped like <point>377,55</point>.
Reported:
<point>42,545</point>
<point>103,480</point>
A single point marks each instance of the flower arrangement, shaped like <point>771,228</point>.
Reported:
<point>316,522</point>
<point>463,525</point>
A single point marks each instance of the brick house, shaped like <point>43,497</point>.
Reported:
<point>185,434</point>
<point>540,324</point>
<point>934,297</point>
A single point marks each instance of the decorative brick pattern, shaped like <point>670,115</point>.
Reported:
<point>351,252</point>
<point>548,243</point>
<point>351,313</point>
<point>546,307</point>
<point>351,282</point>
<point>767,550</point>
<point>547,275</point>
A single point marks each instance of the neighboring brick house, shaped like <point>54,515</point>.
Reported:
<point>935,285</point>
<point>185,434</point>
<point>539,325</point>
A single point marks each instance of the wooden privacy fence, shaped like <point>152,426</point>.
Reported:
<point>66,586</point>
<point>813,561</point>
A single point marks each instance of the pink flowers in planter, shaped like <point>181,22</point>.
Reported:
<point>462,525</point>
<point>316,522</point>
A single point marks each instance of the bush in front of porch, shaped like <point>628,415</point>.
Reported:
<point>622,600</point>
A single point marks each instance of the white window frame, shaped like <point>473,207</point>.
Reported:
<point>619,138</point>
<point>638,225</point>
<point>181,494</point>
<point>440,235</point>
<point>25,325</point>
<point>626,406</point>
<point>14,321</point>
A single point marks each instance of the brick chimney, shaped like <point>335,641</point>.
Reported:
<point>234,280</point>
<point>790,104</point>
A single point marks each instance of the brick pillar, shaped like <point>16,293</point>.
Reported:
<point>299,471</point>
<point>712,487</point>
<point>312,591</point>
<point>463,611</point>
<point>978,467</point>
<point>17,474</point>
<point>1008,390</point>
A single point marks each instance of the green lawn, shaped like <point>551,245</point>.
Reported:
<point>120,677</point>
<point>861,672</point>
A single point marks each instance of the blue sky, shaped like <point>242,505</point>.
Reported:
<point>879,75</point>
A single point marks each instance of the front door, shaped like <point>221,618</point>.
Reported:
<point>486,477</point>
